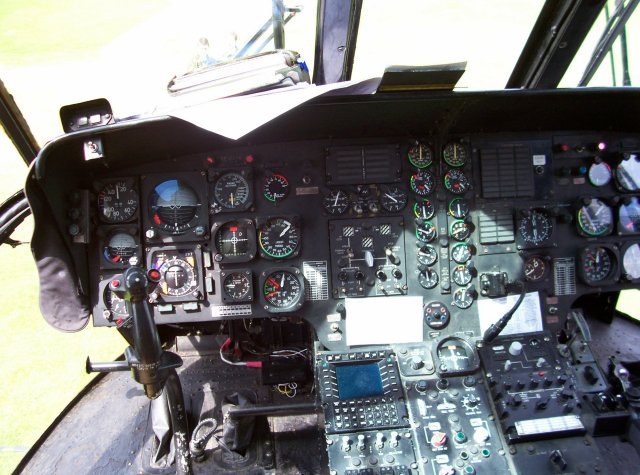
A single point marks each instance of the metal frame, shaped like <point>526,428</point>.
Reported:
<point>614,28</point>
<point>553,42</point>
<point>336,37</point>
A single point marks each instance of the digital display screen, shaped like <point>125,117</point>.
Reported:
<point>359,380</point>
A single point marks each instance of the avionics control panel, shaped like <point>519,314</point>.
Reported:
<point>435,202</point>
<point>254,232</point>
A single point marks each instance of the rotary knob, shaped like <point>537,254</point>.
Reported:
<point>416,363</point>
<point>515,348</point>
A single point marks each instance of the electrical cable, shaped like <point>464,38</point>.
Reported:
<point>494,330</point>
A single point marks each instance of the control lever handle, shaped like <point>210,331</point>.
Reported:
<point>149,363</point>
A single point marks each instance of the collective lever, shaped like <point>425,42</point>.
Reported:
<point>150,365</point>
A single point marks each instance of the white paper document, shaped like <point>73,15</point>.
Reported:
<point>528,317</point>
<point>375,321</point>
<point>236,116</point>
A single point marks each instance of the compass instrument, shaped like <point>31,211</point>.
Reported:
<point>535,227</point>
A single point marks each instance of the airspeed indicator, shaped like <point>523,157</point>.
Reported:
<point>279,238</point>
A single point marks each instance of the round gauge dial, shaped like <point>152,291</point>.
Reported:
<point>459,208</point>
<point>597,264</point>
<point>455,154</point>
<point>237,286</point>
<point>276,188</point>
<point>463,298</point>
<point>427,255</point>
<point>631,262</point>
<point>279,238</point>
<point>336,202</point>
<point>628,173</point>
<point>595,218</point>
<point>177,274</point>
<point>535,227</point>
<point>535,268</point>
<point>436,315</point>
<point>393,198</point>
<point>235,239</point>
<point>459,230</point>
<point>117,202</point>
<point>121,249</point>
<point>420,155</point>
<point>599,173</point>
<point>456,182</point>
<point>455,355</point>
<point>425,231</point>
<point>629,216</point>
<point>462,275</point>
<point>422,183</point>
<point>174,206</point>
<point>231,191</point>
<point>423,209</point>
<point>116,305</point>
<point>461,253</point>
<point>282,289</point>
<point>428,278</point>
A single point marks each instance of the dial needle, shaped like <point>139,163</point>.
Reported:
<point>286,228</point>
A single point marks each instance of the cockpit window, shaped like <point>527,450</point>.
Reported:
<point>618,65</point>
<point>488,35</point>
<point>65,52</point>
